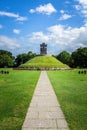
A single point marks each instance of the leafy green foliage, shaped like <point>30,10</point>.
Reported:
<point>22,58</point>
<point>6,59</point>
<point>64,57</point>
<point>79,58</point>
<point>71,90</point>
<point>16,90</point>
<point>44,62</point>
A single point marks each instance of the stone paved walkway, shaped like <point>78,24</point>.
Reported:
<point>44,112</point>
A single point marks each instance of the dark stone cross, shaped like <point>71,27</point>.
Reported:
<point>43,49</point>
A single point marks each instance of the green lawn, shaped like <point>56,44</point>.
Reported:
<point>17,87</point>
<point>16,90</point>
<point>71,90</point>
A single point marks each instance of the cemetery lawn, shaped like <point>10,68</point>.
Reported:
<point>16,91</point>
<point>71,90</point>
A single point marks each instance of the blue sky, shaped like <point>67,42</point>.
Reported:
<point>25,24</point>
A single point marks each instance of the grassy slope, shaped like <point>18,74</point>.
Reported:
<point>71,90</point>
<point>16,90</point>
<point>44,61</point>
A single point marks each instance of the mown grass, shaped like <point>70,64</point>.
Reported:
<point>16,90</point>
<point>71,90</point>
<point>44,62</point>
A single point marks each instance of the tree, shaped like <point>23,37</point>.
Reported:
<point>6,59</point>
<point>64,57</point>
<point>30,55</point>
<point>22,58</point>
<point>79,58</point>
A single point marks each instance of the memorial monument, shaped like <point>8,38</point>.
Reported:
<point>43,49</point>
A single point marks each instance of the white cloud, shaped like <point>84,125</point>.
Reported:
<point>38,37</point>
<point>1,26</point>
<point>78,7</point>
<point>85,23</point>
<point>8,42</point>
<point>62,37</point>
<point>47,9</point>
<point>69,36</point>
<point>83,4</point>
<point>13,15</point>
<point>65,16</point>
<point>32,11</point>
<point>16,31</point>
<point>62,11</point>
<point>67,2</point>
<point>85,13</point>
<point>21,18</point>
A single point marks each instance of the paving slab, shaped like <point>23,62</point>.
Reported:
<point>44,112</point>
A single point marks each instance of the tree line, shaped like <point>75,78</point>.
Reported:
<point>7,60</point>
<point>78,58</point>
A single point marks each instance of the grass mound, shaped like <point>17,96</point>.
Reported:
<point>43,62</point>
